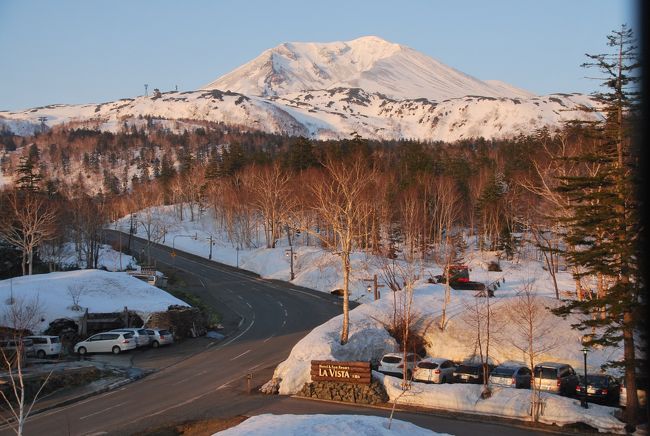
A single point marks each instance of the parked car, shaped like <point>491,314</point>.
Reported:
<point>434,370</point>
<point>470,373</point>
<point>140,334</point>
<point>11,345</point>
<point>641,388</point>
<point>160,337</point>
<point>511,375</point>
<point>555,377</point>
<point>108,342</point>
<point>393,364</point>
<point>601,388</point>
<point>46,345</point>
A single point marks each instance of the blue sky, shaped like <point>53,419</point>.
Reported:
<point>94,51</point>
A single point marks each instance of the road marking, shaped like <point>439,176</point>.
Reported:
<point>269,337</point>
<point>202,372</point>
<point>286,313</point>
<point>237,357</point>
<point>202,284</point>
<point>253,367</point>
<point>103,410</point>
<point>183,380</point>
<point>239,335</point>
<point>248,304</point>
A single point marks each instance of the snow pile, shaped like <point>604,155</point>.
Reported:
<point>504,402</point>
<point>326,425</point>
<point>368,340</point>
<point>99,291</point>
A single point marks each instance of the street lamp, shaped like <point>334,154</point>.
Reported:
<point>583,403</point>
<point>195,237</point>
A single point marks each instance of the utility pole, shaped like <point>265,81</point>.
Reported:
<point>146,87</point>
<point>374,287</point>
<point>290,252</point>
<point>210,255</point>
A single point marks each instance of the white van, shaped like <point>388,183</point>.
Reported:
<point>46,346</point>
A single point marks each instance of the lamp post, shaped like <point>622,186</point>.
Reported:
<point>584,385</point>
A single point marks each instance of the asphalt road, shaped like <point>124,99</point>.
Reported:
<point>270,318</point>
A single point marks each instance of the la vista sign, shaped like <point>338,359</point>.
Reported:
<point>344,372</point>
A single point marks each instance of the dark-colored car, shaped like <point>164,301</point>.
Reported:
<point>559,378</point>
<point>601,388</point>
<point>471,373</point>
<point>511,375</point>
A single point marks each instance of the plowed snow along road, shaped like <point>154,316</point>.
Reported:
<point>273,317</point>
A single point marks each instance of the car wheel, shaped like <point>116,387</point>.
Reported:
<point>155,344</point>
<point>82,351</point>
<point>116,350</point>
<point>40,354</point>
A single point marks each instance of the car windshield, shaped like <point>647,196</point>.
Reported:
<point>128,335</point>
<point>544,372</point>
<point>503,372</point>
<point>468,369</point>
<point>391,359</point>
<point>427,365</point>
<point>597,381</point>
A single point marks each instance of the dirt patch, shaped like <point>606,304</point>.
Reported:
<point>195,428</point>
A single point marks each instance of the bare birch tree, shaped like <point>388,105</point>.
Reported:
<point>339,199</point>
<point>22,316</point>
<point>533,327</point>
<point>27,220</point>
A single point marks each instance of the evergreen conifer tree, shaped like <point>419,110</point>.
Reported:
<point>604,224</point>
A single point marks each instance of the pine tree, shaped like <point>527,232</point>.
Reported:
<point>604,224</point>
<point>29,179</point>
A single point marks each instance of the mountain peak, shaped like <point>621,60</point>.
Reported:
<point>369,62</point>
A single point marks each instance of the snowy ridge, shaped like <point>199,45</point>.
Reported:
<point>324,114</point>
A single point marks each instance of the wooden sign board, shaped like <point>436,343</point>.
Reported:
<point>342,372</point>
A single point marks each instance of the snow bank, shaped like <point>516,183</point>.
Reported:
<point>368,340</point>
<point>504,402</point>
<point>99,291</point>
<point>335,425</point>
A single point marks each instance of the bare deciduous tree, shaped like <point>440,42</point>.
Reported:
<point>27,220</point>
<point>22,316</point>
<point>340,201</point>
<point>533,326</point>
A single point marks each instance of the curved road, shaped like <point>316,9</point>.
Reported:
<point>272,317</point>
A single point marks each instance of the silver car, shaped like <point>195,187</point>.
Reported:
<point>160,337</point>
<point>434,370</point>
<point>511,375</point>
<point>108,342</point>
<point>393,364</point>
<point>141,336</point>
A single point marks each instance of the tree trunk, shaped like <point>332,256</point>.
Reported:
<point>632,400</point>
<point>345,258</point>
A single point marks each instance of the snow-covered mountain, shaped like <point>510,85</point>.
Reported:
<point>327,91</point>
<point>369,63</point>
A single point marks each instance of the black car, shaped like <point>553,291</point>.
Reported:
<point>471,373</point>
<point>601,388</point>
